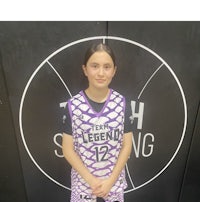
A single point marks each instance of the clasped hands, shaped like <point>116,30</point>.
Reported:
<point>101,187</point>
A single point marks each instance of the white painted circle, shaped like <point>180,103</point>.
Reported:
<point>103,38</point>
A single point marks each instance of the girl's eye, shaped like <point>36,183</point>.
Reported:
<point>94,65</point>
<point>107,66</point>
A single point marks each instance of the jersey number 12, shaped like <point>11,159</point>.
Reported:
<point>101,153</point>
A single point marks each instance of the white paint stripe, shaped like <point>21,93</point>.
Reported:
<point>128,173</point>
<point>59,77</point>
<point>149,80</point>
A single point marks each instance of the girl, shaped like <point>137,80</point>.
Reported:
<point>95,141</point>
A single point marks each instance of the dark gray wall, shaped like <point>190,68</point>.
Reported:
<point>31,168</point>
<point>11,178</point>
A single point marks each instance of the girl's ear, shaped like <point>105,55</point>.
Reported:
<point>84,70</point>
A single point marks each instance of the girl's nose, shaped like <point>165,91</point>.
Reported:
<point>101,71</point>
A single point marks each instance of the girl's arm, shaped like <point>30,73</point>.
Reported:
<point>124,154</point>
<point>74,160</point>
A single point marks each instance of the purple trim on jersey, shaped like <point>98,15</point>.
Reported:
<point>69,108</point>
<point>98,114</point>
<point>124,101</point>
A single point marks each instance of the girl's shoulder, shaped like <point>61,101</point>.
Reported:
<point>78,96</point>
<point>117,94</point>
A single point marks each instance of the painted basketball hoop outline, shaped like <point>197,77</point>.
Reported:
<point>149,80</point>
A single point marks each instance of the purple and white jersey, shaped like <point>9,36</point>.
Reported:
<point>98,138</point>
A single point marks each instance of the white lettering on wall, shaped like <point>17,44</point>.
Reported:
<point>143,146</point>
<point>56,141</point>
<point>137,115</point>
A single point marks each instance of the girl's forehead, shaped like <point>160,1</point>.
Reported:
<point>100,56</point>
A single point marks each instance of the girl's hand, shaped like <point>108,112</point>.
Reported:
<point>104,188</point>
<point>95,183</point>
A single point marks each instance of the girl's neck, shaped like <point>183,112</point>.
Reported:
<point>99,95</point>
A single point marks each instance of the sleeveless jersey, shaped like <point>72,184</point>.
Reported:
<point>97,138</point>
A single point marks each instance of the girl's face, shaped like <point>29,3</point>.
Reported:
<point>99,70</point>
